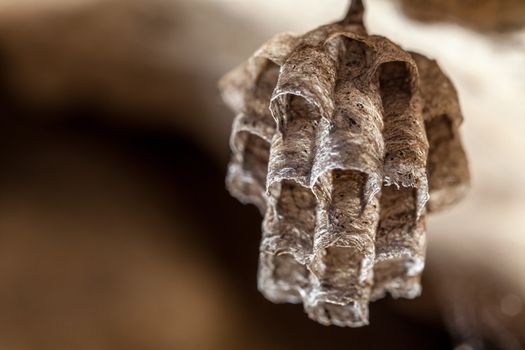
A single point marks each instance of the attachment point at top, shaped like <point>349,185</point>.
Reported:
<point>355,13</point>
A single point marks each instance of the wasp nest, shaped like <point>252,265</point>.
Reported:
<point>339,138</point>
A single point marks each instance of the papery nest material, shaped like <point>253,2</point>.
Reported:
<point>339,137</point>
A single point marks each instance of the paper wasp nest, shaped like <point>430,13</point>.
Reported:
<point>339,138</point>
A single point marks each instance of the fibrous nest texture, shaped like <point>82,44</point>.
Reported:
<point>343,141</point>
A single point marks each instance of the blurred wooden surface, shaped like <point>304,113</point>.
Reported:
<point>115,229</point>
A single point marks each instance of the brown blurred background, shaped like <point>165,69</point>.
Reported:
<point>116,231</point>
